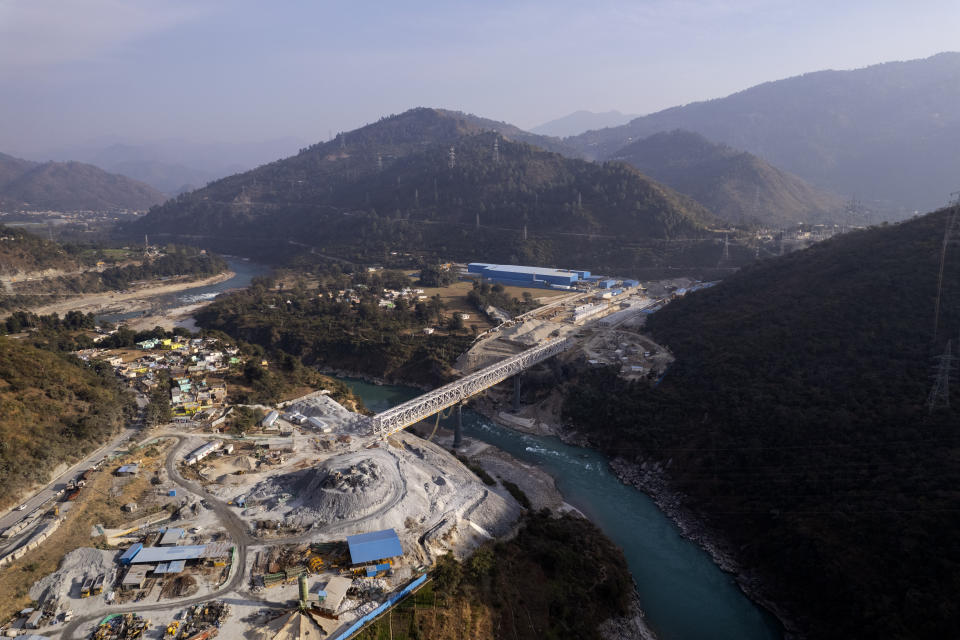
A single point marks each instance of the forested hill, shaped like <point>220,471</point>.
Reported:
<point>884,133</point>
<point>737,186</point>
<point>54,410</point>
<point>794,420</point>
<point>22,252</point>
<point>437,181</point>
<point>69,186</point>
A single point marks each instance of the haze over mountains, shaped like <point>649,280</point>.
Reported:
<point>173,166</point>
<point>69,186</point>
<point>737,186</point>
<point>580,121</point>
<point>887,133</point>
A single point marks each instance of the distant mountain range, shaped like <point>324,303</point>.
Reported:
<point>430,179</point>
<point>888,133</point>
<point>69,186</point>
<point>737,186</point>
<point>174,166</point>
<point>581,121</point>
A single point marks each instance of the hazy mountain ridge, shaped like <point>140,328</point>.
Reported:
<point>69,186</point>
<point>392,183</point>
<point>885,133</point>
<point>737,186</point>
<point>581,121</point>
<point>172,165</point>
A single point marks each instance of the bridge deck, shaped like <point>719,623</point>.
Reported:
<point>412,411</point>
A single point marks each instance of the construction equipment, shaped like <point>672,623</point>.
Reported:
<point>172,629</point>
<point>86,587</point>
<point>97,587</point>
<point>316,564</point>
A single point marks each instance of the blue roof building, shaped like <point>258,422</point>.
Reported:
<point>128,555</point>
<point>523,276</point>
<point>377,545</point>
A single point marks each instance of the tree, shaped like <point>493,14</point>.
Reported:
<point>158,408</point>
<point>448,572</point>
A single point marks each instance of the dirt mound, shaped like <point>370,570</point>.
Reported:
<point>344,488</point>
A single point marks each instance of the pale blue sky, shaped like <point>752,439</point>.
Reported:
<point>73,71</point>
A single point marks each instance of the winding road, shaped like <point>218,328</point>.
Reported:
<point>234,526</point>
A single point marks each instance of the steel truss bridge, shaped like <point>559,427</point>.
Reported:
<point>412,411</point>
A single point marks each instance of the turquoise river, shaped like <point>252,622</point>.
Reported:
<point>684,594</point>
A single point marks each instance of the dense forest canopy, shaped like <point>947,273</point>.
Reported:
<point>795,421</point>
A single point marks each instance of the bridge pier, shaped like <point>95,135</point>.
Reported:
<point>516,392</point>
<point>458,427</point>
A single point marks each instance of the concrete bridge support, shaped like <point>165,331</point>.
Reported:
<point>458,427</point>
<point>516,392</point>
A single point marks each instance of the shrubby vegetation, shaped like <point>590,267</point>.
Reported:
<point>558,578</point>
<point>794,422</point>
<point>485,294</point>
<point>317,324</point>
<point>55,409</point>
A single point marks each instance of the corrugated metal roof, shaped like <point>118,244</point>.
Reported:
<point>540,271</point>
<point>376,545</point>
<point>171,567</point>
<point>171,537</point>
<point>130,553</point>
<point>184,552</point>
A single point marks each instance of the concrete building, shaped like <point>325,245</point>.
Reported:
<point>202,452</point>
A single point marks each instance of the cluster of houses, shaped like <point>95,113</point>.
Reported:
<point>388,299</point>
<point>191,364</point>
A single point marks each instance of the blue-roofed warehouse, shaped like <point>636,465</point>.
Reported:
<point>522,276</point>
<point>376,545</point>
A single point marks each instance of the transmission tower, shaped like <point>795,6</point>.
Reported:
<point>379,162</point>
<point>451,158</point>
<point>950,235</point>
<point>940,394</point>
<point>725,256</point>
<point>496,150</point>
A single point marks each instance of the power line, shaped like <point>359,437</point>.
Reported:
<point>940,394</point>
<point>950,235</point>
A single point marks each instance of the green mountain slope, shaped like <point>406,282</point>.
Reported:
<point>794,422</point>
<point>69,186</point>
<point>54,410</point>
<point>886,133</point>
<point>737,186</point>
<point>423,180</point>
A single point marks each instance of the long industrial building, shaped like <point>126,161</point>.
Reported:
<point>523,276</point>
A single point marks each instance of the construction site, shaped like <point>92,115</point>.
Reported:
<point>307,522</point>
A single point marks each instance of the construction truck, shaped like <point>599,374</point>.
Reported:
<point>86,586</point>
